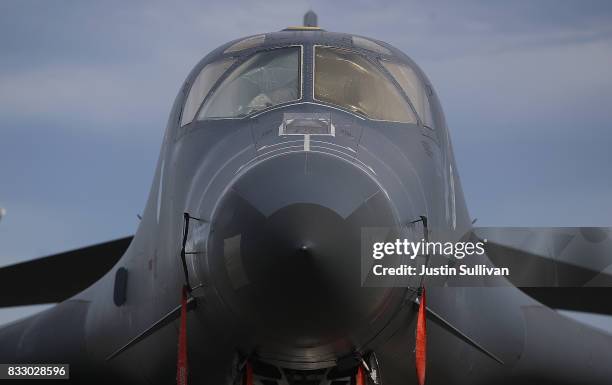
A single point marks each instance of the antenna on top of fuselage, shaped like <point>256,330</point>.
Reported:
<point>310,23</point>
<point>311,19</point>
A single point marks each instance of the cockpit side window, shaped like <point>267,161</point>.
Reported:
<point>413,87</point>
<point>266,79</point>
<point>368,44</point>
<point>349,80</point>
<point>202,84</point>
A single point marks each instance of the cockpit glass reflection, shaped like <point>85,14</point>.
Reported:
<point>349,80</point>
<point>201,86</point>
<point>264,80</point>
<point>414,88</point>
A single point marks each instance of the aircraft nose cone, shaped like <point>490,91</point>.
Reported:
<point>285,246</point>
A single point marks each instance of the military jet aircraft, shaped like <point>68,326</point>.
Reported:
<point>280,149</point>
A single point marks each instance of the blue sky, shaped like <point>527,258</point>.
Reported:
<point>86,88</point>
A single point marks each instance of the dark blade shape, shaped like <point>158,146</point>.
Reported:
<point>60,276</point>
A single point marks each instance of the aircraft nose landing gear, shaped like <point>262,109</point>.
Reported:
<point>353,370</point>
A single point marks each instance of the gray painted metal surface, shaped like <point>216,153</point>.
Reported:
<point>273,257</point>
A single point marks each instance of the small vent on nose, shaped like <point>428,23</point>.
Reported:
<point>307,124</point>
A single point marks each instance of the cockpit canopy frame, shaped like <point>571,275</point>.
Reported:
<point>369,80</point>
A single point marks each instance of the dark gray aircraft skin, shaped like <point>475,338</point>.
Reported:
<point>277,197</point>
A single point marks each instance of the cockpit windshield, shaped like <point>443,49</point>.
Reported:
<point>414,88</point>
<point>264,80</point>
<point>201,85</point>
<point>349,80</point>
